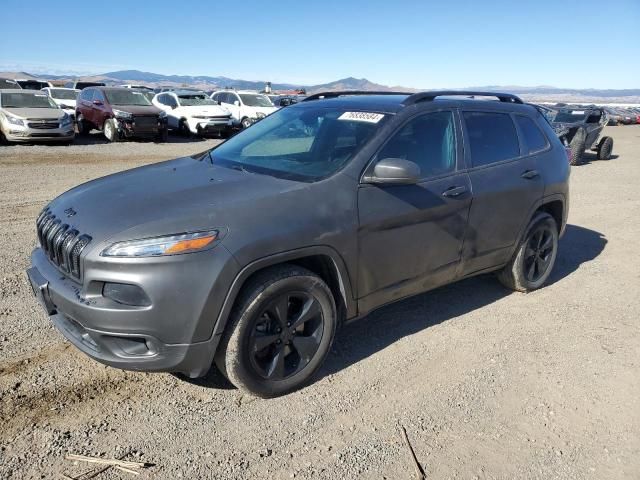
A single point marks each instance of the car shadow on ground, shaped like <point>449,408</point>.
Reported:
<point>97,138</point>
<point>385,326</point>
<point>590,157</point>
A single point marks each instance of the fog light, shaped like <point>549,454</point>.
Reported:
<point>126,294</point>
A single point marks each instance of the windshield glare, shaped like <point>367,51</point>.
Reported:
<point>126,97</point>
<point>255,100</point>
<point>304,144</point>
<point>62,94</point>
<point>26,100</point>
<point>191,100</point>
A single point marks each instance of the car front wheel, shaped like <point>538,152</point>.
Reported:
<point>281,330</point>
<point>533,260</point>
<point>111,131</point>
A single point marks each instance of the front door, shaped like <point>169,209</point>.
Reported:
<point>410,236</point>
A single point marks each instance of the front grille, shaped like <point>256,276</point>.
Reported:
<point>62,243</point>
<point>44,125</point>
<point>146,122</point>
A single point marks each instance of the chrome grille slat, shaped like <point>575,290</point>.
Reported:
<point>62,244</point>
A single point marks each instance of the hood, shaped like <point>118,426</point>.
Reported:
<point>164,198</point>
<point>68,103</point>
<point>212,110</point>
<point>137,109</point>
<point>265,110</point>
<point>39,113</point>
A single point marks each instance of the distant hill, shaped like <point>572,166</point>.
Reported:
<point>536,93</point>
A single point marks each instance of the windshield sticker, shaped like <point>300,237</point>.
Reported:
<point>362,117</point>
<point>577,112</point>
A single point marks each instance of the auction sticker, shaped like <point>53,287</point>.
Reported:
<point>362,117</point>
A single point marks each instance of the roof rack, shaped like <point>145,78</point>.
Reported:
<point>430,96</point>
<point>340,93</point>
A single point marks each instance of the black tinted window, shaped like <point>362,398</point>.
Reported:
<point>533,137</point>
<point>492,137</point>
<point>428,140</point>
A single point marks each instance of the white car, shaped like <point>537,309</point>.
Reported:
<point>194,113</point>
<point>245,107</point>
<point>65,98</point>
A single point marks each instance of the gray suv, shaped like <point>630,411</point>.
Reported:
<point>250,255</point>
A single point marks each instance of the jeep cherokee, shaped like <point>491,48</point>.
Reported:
<point>251,254</point>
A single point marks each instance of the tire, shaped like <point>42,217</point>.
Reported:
<point>3,139</point>
<point>578,146</point>
<point>163,135</point>
<point>261,351</point>
<point>83,126</point>
<point>183,128</point>
<point>245,123</point>
<point>533,260</point>
<point>605,148</point>
<point>111,130</point>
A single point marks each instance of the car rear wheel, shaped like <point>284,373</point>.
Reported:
<point>281,330</point>
<point>605,148</point>
<point>110,130</point>
<point>578,146</point>
<point>533,260</point>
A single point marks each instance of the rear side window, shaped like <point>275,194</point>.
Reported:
<point>533,137</point>
<point>428,140</point>
<point>492,137</point>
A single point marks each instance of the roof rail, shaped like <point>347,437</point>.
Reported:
<point>340,93</point>
<point>430,96</point>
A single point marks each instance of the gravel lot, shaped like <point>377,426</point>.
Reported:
<point>489,384</point>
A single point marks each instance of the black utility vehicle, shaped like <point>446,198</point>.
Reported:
<point>251,254</point>
<point>580,128</point>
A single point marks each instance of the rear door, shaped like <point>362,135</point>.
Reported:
<point>506,184</point>
<point>410,236</point>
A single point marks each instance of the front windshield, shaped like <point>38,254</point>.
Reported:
<point>62,94</point>
<point>255,100</point>
<point>570,116</point>
<point>305,144</point>
<point>126,97</point>
<point>26,100</point>
<point>195,99</point>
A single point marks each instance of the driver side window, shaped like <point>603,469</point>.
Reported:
<point>428,140</point>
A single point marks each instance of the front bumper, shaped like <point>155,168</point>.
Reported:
<point>20,133</point>
<point>128,128</point>
<point>205,126</point>
<point>158,337</point>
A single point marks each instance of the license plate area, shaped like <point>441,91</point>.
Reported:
<point>40,287</point>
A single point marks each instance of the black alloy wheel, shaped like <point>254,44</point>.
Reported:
<point>538,254</point>
<point>286,335</point>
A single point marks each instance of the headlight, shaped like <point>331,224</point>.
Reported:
<point>162,114</point>
<point>199,116</point>
<point>158,246</point>
<point>122,115</point>
<point>66,120</point>
<point>14,120</point>
<point>260,115</point>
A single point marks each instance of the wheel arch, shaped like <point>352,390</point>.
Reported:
<point>324,261</point>
<point>555,205</point>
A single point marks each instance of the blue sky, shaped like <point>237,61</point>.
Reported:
<point>421,44</point>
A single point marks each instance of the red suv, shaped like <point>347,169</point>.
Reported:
<point>119,113</point>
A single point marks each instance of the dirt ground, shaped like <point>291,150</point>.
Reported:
<point>489,384</point>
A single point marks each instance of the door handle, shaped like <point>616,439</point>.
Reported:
<point>454,191</point>
<point>530,174</point>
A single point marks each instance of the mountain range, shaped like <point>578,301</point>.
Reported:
<point>536,93</point>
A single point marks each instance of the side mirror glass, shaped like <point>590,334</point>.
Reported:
<point>395,171</point>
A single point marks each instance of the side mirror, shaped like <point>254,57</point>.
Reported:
<point>236,103</point>
<point>395,171</point>
<point>98,102</point>
<point>173,107</point>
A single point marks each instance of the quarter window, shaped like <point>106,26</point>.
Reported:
<point>492,137</point>
<point>428,140</point>
<point>534,138</point>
